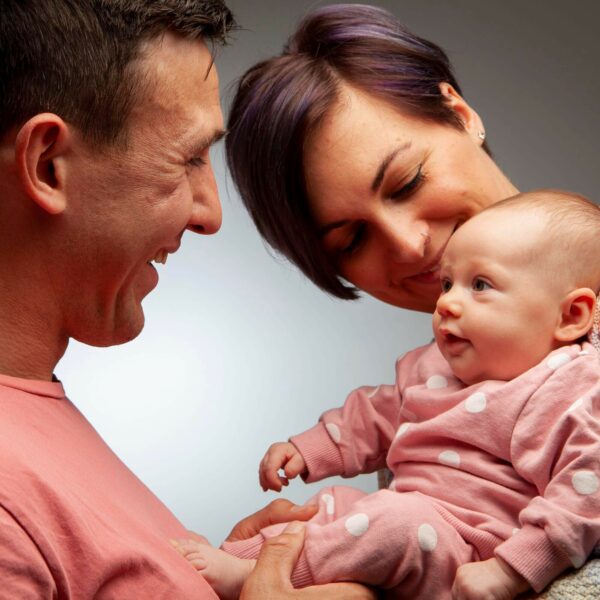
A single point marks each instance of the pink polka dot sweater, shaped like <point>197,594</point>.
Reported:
<point>512,467</point>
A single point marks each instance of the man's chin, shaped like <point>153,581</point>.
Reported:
<point>114,336</point>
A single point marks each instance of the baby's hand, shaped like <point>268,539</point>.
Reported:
<point>491,579</point>
<point>281,455</point>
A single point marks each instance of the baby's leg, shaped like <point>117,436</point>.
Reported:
<point>224,572</point>
<point>395,541</point>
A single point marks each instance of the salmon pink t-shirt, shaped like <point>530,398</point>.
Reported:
<point>75,522</point>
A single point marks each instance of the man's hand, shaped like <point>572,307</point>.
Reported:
<point>491,579</point>
<point>270,579</point>
<point>281,455</point>
<point>278,511</point>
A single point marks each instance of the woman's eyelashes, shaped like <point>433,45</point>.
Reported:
<point>409,187</point>
<point>356,239</point>
<point>360,231</point>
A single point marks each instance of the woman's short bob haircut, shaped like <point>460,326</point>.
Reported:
<point>280,101</point>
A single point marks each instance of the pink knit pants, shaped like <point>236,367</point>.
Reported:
<point>396,541</point>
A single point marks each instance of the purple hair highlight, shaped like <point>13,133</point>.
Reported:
<point>281,101</point>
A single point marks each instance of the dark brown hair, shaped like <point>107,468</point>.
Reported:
<point>279,102</point>
<point>76,58</point>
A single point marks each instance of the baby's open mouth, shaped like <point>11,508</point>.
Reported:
<point>451,338</point>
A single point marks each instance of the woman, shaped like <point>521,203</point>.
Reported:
<point>357,156</point>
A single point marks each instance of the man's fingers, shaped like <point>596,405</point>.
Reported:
<point>270,579</point>
<point>278,511</point>
<point>336,591</point>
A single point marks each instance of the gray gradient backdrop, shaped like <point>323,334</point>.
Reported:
<point>239,350</point>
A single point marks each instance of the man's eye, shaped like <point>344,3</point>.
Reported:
<point>196,161</point>
<point>480,285</point>
<point>446,285</point>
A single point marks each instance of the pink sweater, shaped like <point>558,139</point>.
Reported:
<point>75,523</point>
<point>518,462</point>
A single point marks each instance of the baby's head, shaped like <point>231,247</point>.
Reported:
<point>518,280</point>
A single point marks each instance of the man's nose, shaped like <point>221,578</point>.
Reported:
<point>206,214</point>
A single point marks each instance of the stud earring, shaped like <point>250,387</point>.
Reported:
<point>481,135</point>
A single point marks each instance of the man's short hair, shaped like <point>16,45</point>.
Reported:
<point>77,58</point>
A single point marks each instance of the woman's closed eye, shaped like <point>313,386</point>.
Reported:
<point>355,241</point>
<point>411,186</point>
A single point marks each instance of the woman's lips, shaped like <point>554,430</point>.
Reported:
<point>432,276</point>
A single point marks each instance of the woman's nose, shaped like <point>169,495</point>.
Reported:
<point>408,241</point>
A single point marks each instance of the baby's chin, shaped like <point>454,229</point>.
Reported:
<point>472,376</point>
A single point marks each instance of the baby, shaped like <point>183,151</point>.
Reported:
<point>491,433</point>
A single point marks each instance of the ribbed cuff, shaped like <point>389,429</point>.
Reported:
<point>321,455</point>
<point>250,548</point>
<point>244,548</point>
<point>301,577</point>
<point>531,553</point>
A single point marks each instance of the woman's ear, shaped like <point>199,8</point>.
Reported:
<point>577,315</point>
<point>469,118</point>
<point>40,148</point>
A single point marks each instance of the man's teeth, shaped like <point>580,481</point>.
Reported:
<point>161,257</point>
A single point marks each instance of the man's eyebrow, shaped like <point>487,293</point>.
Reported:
<point>385,163</point>
<point>206,142</point>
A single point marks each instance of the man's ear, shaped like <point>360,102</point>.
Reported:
<point>469,118</point>
<point>40,147</point>
<point>577,315</point>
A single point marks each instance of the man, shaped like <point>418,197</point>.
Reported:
<point>107,113</point>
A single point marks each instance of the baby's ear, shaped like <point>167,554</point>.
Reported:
<point>577,315</point>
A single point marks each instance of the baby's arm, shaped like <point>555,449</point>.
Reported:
<point>491,579</point>
<point>281,455</point>
<point>555,445</point>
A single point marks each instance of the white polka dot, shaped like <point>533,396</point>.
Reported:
<point>334,432</point>
<point>575,404</point>
<point>577,561</point>
<point>436,381</point>
<point>356,525</point>
<point>476,402</point>
<point>427,537</point>
<point>373,392</point>
<point>402,429</point>
<point>450,458</point>
<point>585,482</point>
<point>558,360</point>
<point>515,531</point>
<point>329,501</point>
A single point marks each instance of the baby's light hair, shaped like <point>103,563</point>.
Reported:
<point>572,233</point>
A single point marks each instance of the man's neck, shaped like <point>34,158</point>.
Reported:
<point>30,345</point>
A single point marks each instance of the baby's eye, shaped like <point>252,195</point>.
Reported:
<point>480,285</point>
<point>446,284</point>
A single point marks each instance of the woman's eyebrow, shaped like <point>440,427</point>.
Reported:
<point>385,163</point>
